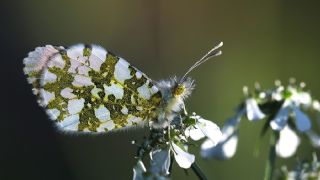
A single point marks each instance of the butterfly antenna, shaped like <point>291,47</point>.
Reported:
<point>212,53</point>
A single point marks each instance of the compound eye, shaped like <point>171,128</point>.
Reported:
<point>180,89</point>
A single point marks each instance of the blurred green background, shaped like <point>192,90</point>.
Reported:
<point>263,41</point>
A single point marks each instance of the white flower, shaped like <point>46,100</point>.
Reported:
<point>227,146</point>
<point>302,170</point>
<point>184,159</point>
<point>300,98</point>
<point>305,98</point>
<point>160,161</point>
<point>287,143</point>
<point>281,119</point>
<point>224,150</point>
<point>204,128</point>
<point>253,111</point>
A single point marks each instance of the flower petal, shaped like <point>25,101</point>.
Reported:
<point>227,146</point>
<point>183,158</point>
<point>224,150</point>
<point>195,133</point>
<point>160,161</point>
<point>210,129</point>
<point>138,171</point>
<point>303,98</point>
<point>287,143</point>
<point>281,119</point>
<point>253,111</point>
<point>302,120</point>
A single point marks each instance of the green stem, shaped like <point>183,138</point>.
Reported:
<point>272,158</point>
<point>196,169</point>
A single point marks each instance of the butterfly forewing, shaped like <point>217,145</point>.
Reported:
<point>86,88</point>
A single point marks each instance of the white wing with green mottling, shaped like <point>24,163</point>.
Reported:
<point>86,88</point>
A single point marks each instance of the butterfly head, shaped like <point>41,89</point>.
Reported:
<point>183,88</point>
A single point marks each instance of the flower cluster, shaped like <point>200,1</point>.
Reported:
<point>282,107</point>
<point>306,170</point>
<point>164,145</point>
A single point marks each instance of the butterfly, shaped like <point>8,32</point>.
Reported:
<point>87,88</point>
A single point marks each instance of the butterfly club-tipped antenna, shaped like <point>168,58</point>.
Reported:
<point>212,53</point>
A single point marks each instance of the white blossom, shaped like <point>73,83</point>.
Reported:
<point>287,143</point>
<point>183,158</point>
<point>227,146</point>
<point>302,170</point>
<point>253,111</point>
<point>292,104</point>
<point>204,128</point>
<point>224,150</point>
<point>300,98</point>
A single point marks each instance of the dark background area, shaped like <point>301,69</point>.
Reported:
<point>264,41</point>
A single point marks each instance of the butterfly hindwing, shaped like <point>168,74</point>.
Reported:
<point>86,88</point>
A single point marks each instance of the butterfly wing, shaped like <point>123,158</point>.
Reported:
<point>86,88</point>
